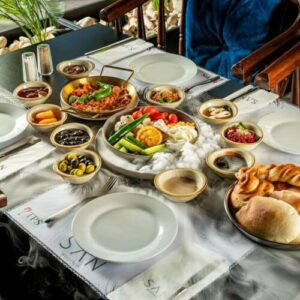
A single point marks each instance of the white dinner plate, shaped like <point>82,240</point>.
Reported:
<point>13,123</point>
<point>162,68</point>
<point>282,130</point>
<point>124,227</point>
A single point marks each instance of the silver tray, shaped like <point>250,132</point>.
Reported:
<point>258,240</point>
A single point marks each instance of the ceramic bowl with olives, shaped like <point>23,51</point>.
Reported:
<point>79,166</point>
<point>72,136</point>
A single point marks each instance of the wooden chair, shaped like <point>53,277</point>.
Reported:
<point>115,11</point>
<point>276,75</point>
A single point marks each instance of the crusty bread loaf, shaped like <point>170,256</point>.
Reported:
<point>279,186</point>
<point>270,219</point>
<point>290,197</point>
<point>283,173</point>
<point>248,187</point>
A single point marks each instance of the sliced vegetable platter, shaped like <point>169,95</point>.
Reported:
<point>143,131</point>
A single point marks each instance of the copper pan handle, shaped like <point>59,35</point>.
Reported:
<point>118,68</point>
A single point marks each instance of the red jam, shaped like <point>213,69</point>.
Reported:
<point>74,69</point>
<point>33,92</point>
<point>241,134</point>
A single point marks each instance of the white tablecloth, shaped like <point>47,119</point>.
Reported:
<point>206,247</point>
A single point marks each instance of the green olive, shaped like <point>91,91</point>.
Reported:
<point>71,156</point>
<point>78,172</point>
<point>82,167</point>
<point>90,169</point>
<point>62,166</point>
<point>73,171</point>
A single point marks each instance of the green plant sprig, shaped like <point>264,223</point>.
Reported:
<point>32,16</point>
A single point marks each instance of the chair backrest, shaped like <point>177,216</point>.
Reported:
<point>115,11</point>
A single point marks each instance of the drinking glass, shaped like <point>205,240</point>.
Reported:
<point>30,72</point>
<point>45,65</point>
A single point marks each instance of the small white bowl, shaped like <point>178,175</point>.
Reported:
<point>218,102</point>
<point>30,102</point>
<point>88,64</point>
<point>199,178</point>
<point>148,91</point>
<point>245,154</point>
<point>62,117</point>
<point>79,179</point>
<point>249,125</point>
<point>65,148</point>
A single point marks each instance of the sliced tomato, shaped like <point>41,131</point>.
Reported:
<point>150,110</point>
<point>156,116</point>
<point>173,118</point>
<point>137,114</point>
<point>165,115</point>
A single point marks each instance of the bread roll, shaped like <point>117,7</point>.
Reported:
<point>279,186</point>
<point>248,187</point>
<point>284,173</point>
<point>296,241</point>
<point>270,219</point>
<point>290,197</point>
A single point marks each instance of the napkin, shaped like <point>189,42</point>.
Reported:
<point>120,52</point>
<point>192,263</point>
<point>252,101</point>
<point>24,158</point>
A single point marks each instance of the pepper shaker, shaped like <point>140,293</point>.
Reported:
<point>45,65</point>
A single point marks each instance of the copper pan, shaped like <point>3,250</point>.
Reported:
<point>72,85</point>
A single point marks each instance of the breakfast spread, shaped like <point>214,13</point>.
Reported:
<point>33,92</point>
<point>77,165</point>
<point>266,202</point>
<point>240,133</point>
<point>72,137</point>
<point>231,162</point>
<point>148,131</point>
<point>180,185</point>
<point>166,95</point>
<point>46,117</point>
<point>99,97</point>
<point>75,69</point>
<point>218,112</point>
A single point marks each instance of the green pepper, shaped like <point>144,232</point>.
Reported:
<point>124,150</point>
<point>129,146</point>
<point>134,141</point>
<point>154,149</point>
<point>72,98</point>
<point>83,99</point>
<point>241,125</point>
<point>101,94</point>
<point>103,85</point>
<point>125,129</point>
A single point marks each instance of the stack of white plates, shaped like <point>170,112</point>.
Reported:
<point>13,124</point>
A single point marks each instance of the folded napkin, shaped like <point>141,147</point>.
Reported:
<point>24,158</point>
<point>253,101</point>
<point>107,57</point>
<point>181,272</point>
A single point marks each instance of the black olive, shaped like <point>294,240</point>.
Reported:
<point>75,163</point>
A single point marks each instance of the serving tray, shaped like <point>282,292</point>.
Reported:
<point>258,240</point>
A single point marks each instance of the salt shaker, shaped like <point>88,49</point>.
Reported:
<point>30,72</point>
<point>45,65</point>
